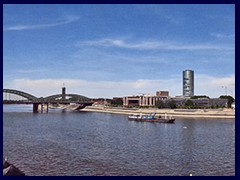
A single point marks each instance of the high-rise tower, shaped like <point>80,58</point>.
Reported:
<point>63,92</point>
<point>188,83</point>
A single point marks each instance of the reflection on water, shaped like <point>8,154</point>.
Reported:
<point>82,143</point>
<point>18,108</point>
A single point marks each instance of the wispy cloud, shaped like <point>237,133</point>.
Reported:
<point>29,71</point>
<point>150,45</point>
<point>162,12</point>
<point>223,36</point>
<point>66,20</point>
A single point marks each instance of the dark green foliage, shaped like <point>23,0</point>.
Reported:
<point>172,104</point>
<point>159,104</point>
<point>229,98</point>
<point>189,104</point>
<point>117,102</point>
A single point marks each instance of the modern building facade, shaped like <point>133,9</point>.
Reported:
<point>188,83</point>
<point>180,102</point>
<point>162,93</point>
<point>145,100</point>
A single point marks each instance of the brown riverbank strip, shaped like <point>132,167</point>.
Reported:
<point>186,113</point>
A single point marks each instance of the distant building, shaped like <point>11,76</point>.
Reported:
<point>200,102</point>
<point>162,93</point>
<point>145,100</point>
<point>188,83</point>
<point>218,102</point>
<point>179,100</point>
<point>63,93</point>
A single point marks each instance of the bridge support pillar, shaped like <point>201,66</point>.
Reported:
<point>35,107</point>
<point>40,107</point>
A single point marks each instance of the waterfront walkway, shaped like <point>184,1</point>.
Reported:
<point>186,113</point>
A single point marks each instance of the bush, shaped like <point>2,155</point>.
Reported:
<point>172,104</point>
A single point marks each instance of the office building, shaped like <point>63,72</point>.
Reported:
<point>145,100</point>
<point>188,83</point>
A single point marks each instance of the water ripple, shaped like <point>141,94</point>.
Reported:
<point>94,144</point>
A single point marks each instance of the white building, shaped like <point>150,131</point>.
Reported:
<point>145,100</point>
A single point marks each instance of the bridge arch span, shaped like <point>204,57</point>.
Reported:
<point>21,93</point>
<point>70,97</point>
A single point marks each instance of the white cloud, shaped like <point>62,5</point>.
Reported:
<point>150,45</point>
<point>223,36</point>
<point>31,71</point>
<point>66,20</point>
<point>214,87</point>
<point>46,87</point>
<point>204,85</point>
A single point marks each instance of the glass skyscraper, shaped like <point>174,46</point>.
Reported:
<point>188,83</point>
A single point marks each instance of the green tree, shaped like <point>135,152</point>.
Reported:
<point>159,104</point>
<point>117,102</point>
<point>172,104</point>
<point>189,104</point>
<point>229,98</point>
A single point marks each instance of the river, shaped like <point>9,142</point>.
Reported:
<point>100,144</point>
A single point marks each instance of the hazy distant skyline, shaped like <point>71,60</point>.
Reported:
<point>118,50</point>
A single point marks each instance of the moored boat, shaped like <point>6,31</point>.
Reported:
<point>151,118</point>
<point>11,170</point>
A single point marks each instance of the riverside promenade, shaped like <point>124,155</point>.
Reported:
<point>186,113</point>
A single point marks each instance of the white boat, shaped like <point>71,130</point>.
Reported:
<point>151,118</point>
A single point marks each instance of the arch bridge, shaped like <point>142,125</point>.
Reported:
<point>12,96</point>
<point>25,96</point>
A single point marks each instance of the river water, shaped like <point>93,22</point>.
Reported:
<point>98,144</point>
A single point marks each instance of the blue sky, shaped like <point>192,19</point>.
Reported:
<point>118,50</point>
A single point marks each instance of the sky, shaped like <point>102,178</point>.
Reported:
<point>105,51</point>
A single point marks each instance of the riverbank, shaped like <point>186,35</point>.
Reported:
<point>186,113</point>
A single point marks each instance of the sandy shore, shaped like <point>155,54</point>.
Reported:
<point>187,113</point>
